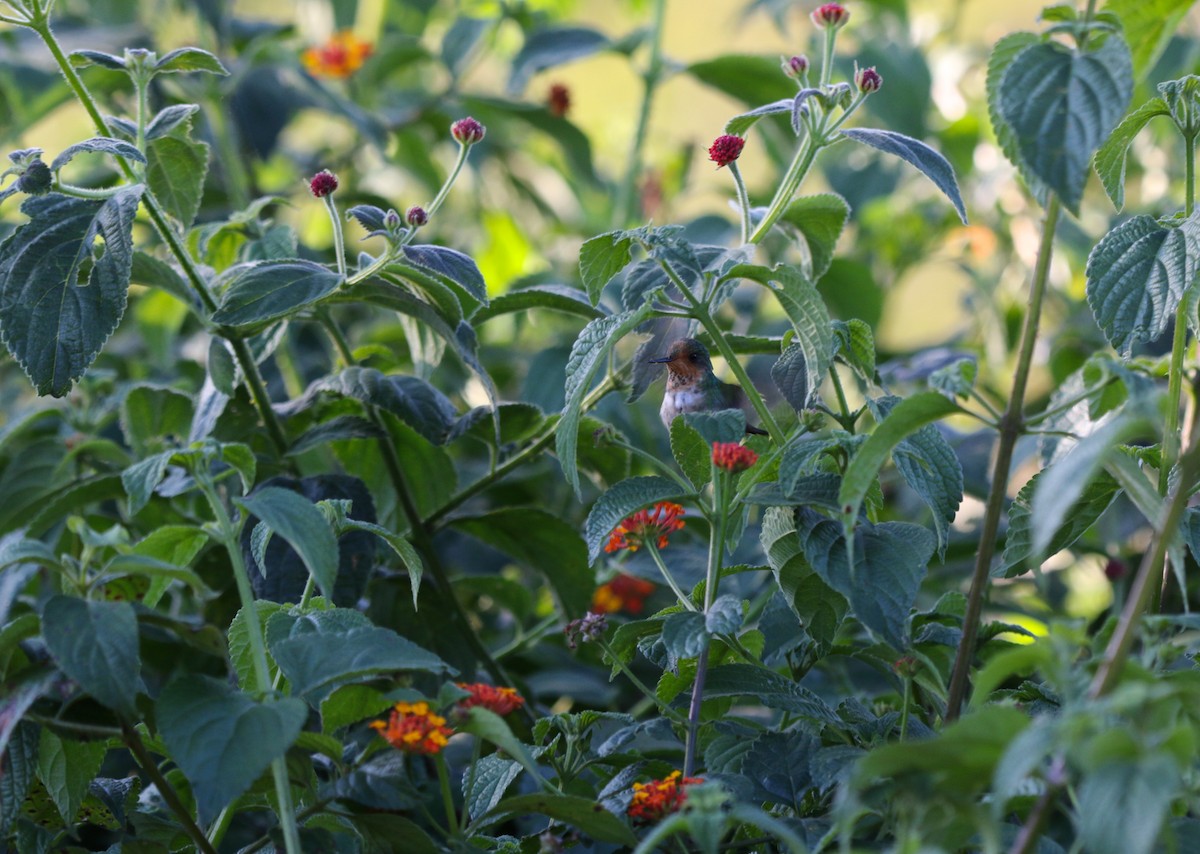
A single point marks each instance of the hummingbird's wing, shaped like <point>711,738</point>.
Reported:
<point>735,398</point>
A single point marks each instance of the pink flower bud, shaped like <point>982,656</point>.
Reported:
<point>323,183</point>
<point>416,216</point>
<point>467,131</point>
<point>795,66</point>
<point>868,80</point>
<point>830,16</point>
<point>725,149</point>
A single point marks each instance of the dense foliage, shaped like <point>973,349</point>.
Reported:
<point>312,547</point>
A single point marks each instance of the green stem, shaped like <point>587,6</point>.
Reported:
<point>712,577</point>
<point>463,151</point>
<point>340,344</point>
<point>656,463</point>
<point>683,598</point>
<point>447,795</point>
<point>827,55</point>
<point>1011,426</point>
<point>756,400</point>
<point>743,200</point>
<point>150,768</point>
<point>339,245</point>
<point>84,192</point>
<point>258,654</point>
<point>141,85</point>
<point>622,210</point>
<point>806,155</point>
<point>847,418</point>
<point>904,709</point>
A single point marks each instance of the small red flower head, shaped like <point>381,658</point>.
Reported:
<point>868,80</point>
<point>646,525</point>
<point>1115,569</point>
<point>558,100</point>
<point>416,216</point>
<point>726,149</point>
<point>654,800</point>
<point>732,457</point>
<point>323,183</point>
<point>831,15</point>
<point>622,593</point>
<point>498,700</point>
<point>467,131</point>
<point>413,728</point>
<point>794,66</point>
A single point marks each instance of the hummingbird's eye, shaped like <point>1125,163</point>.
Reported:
<point>692,357</point>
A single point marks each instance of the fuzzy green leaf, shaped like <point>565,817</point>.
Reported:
<point>297,520</point>
<point>96,644</point>
<point>930,162</point>
<point>1110,159</point>
<point>270,290</point>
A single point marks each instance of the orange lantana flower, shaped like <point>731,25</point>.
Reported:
<point>622,593</point>
<point>339,57</point>
<point>413,728</point>
<point>498,700</point>
<point>643,525</point>
<point>658,798</point>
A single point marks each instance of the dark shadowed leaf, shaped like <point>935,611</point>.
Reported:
<point>297,520</point>
<point>270,290</point>
<point>96,644</point>
<point>456,266</point>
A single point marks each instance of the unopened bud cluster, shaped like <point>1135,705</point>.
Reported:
<point>467,131</point>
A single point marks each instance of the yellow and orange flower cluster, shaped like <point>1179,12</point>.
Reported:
<point>339,57</point>
<point>622,593</point>
<point>413,728</point>
<point>645,525</point>
<point>658,798</point>
<point>733,457</point>
<point>502,701</point>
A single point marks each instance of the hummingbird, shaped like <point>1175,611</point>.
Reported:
<point>693,387</point>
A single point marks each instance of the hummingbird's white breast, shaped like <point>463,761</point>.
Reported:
<point>678,401</point>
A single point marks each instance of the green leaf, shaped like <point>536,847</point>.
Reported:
<point>489,726</point>
<point>66,769</point>
<point>740,124</point>
<point>115,147</point>
<point>856,346</point>
<point>931,469</point>
<point>413,564</point>
<point>820,220</point>
<point>1060,486</point>
<point>624,499</point>
<point>1061,105</point>
<point>270,290</point>
<point>804,307</point>
<point>1122,805</point>
<point>818,606</point>
<point>189,59</point>
<point>322,651</point>
<point>297,520</point>
<point>169,118</point>
<point>1110,159</point>
<point>1137,276</point>
<point>934,166</point>
<point>240,654</point>
<point>53,324</point>
<point>18,757</point>
<point>485,786</point>
<point>411,399</point>
<point>543,542</point>
<point>769,688</point>
<point>221,739</point>
<point>550,297</point>
<point>691,452</point>
<point>749,79</point>
<point>351,704</point>
<point>719,425</point>
<point>451,264</point>
<point>222,368</point>
<point>1149,25</point>
<point>172,544</point>
<point>588,353</point>
<point>550,47</point>
<point>684,634</point>
<point>1097,496</point>
<point>96,644</point>
<point>957,379</point>
<point>1002,56</point>
<point>601,258</point>
<point>176,168</point>
<point>724,617</point>
<point>584,814</point>
<point>84,58</point>
<point>905,418</point>
<point>790,373</point>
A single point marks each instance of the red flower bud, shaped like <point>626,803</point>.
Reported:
<point>795,66</point>
<point>558,100</point>
<point>323,183</point>
<point>416,216</point>
<point>467,131</point>
<point>725,149</point>
<point>830,16</point>
<point>1115,569</point>
<point>868,80</point>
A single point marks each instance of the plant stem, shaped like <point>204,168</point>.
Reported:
<point>801,163</point>
<point>463,151</point>
<point>447,795</point>
<point>1010,428</point>
<point>904,709</point>
<point>683,598</point>
<point>622,209</point>
<point>743,200</point>
<point>339,245</point>
<point>258,654</point>
<point>638,683</point>
<point>693,723</point>
<point>150,768</point>
<point>712,577</point>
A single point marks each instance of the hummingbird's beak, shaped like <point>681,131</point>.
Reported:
<point>663,361</point>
